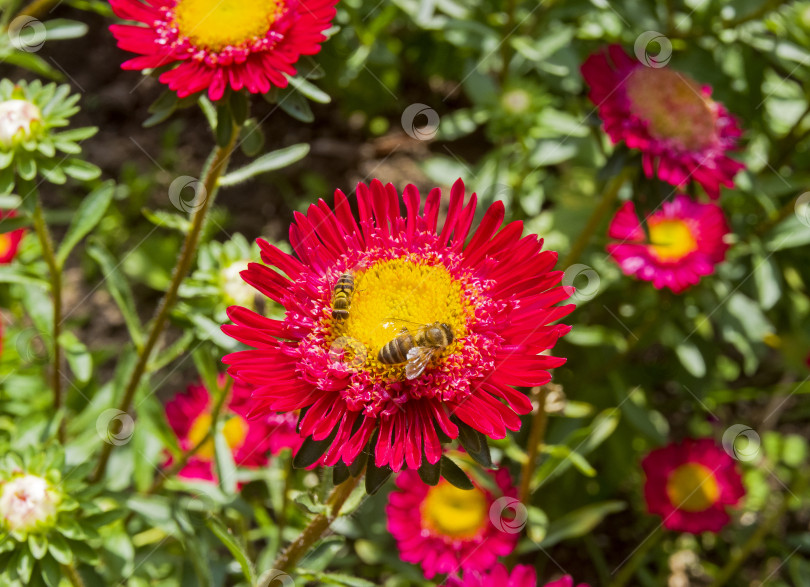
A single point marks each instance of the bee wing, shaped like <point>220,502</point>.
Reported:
<point>418,358</point>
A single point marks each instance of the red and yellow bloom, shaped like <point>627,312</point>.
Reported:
<point>691,485</point>
<point>9,241</point>
<point>446,529</point>
<point>496,291</point>
<point>686,241</point>
<point>681,132</point>
<point>215,44</point>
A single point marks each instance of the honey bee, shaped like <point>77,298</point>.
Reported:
<point>417,349</point>
<point>342,296</point>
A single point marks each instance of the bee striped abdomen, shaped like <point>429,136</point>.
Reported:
<point>396,350</point>
<point>342,296</point>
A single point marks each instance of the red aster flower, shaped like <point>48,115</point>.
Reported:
<point>446,529</point>
<point>499,576</point>
<point>682,133</point>
<point>495,294</point>
<point>690,485</point>
<point>685,242</point>
<point>9,241</point>
<point>219,43</point>
<point>189,415</point>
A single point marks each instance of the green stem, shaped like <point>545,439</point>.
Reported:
<point>73,575</point>
<point>740,556</point>
<point>601,210</point>
<point>213,170</point>
<point>629,568</point>
<point>536,434</point>
<point>55,271</point>
<point>38,8</point>
<point>287,560</point>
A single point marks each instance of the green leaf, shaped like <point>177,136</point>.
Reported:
<point>13,274</point>
<point>81,170</point>
<point>766,277</point>
<point>474,443</point>
<point>79,359</point>
<point>310,451</point>
<point>119,289</point>
<point>59,549</point>
<point>341,579</point>
<point>579,522</point>
<point>167,219</point>
<point>162,108</point>
<point>296,106</point>
<point>210,112</point>
<point>251,138</point>
<point>10,223</point>
<point>226,468</point>
<point>51,573</point>
<point>239,107</point>
<point>454,475</point>
<point>268,162</point>
<point>340,473</point>
<point>376,476</point>
<point>309,90</point>
<point>691,358</point>
<point>38,545</point>
<point>87,216</point>
<point>221,531</point>
<point>430,473</point>
<point>59,29</point>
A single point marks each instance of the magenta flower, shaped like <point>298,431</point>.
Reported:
<point>446,529</point>
<point>691,485</point>
<point>686,241</point>
<point>681,132</point>
<point>499,576</point>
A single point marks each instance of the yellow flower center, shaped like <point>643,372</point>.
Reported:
<point>216,24</point>
<point>692,488</point>
<point>673,105</point>
<point>453,512</point>
<point>671,240</point>
<point>235,431</point>
<point>5,244</point>
<point>392,295</point>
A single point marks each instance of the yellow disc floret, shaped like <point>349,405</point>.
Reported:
<point>672,240</point>
<point>453,512</point>
<point>692,488</point>
<point>395,294</point>
<point>216,24</point>
<point>235,431</point>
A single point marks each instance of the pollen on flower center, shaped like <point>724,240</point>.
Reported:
<point>235,431</point>
<point>692,488</point>
<point>672,240</point>
<point>453,512</point>
<point>398,294</point>
<point>673,105</point>
<point>216,24</point>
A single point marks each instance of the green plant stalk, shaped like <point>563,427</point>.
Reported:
<point>287,560</point>
<point>184,458</point>
<point>38,8</point>
<point>536,435</point>
<point>213,170</point>
<point>628,570</point>
<point>598,214</point>
<point>55,271</point>
<point>73,575</point>
<point>733,564</point>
